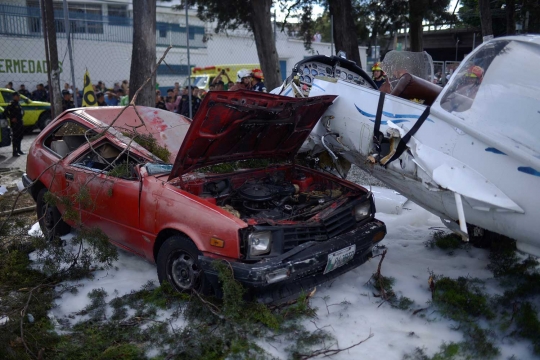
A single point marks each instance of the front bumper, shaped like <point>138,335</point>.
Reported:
<point>305,265</point>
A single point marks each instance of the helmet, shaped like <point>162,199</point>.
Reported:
<point>376,67</point>
<point>475,72</point>
<point>242,73</point>
<point>257,73</point>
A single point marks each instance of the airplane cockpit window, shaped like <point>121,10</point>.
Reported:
<point>498,89</point>
<point>466,83</point>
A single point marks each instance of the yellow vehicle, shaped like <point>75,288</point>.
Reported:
<point>36,113</point>
<point>5,132</point>
<point>203,77</point>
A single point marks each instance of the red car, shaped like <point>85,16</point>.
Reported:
<point>283,228</point>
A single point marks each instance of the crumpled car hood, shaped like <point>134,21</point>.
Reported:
<point>240,125</point>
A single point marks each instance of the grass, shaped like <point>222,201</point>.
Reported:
<point>444,241</point>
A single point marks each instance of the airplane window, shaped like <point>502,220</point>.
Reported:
<point>465,85</point>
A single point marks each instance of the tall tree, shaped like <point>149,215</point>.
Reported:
<point>510,20</point>
<point>253,15</point>
<point>417,11</point>
<point>344,28</point>
<point>143,54</point>
<point>485,17</point>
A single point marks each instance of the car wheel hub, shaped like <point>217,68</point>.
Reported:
<point>184,271</point>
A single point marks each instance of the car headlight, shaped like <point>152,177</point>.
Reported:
<point>260,242</point>
<point>362,211</point>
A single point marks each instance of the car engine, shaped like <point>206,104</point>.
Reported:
<point>271,198</point>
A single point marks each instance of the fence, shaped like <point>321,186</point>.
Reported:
<point>101,35</point>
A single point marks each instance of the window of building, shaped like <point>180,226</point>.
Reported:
<point>83,18</point>
<point>117,14</point>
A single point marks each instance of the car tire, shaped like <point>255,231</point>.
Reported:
<point>50,219</point>
<point>178,265</point>
<point>44,120</point>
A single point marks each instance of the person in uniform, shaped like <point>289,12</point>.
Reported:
<point>67,103</point>
<point>39,94</point>
<point>184,103</point>
<point>243,80</point>
<point>23,91</point>
<point>14,113</point>
<point>257,83</point>
<point>378,75</point>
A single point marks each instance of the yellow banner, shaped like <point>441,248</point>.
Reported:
<point>89,98</point>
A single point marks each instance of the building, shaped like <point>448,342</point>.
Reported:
<point>102,43</point>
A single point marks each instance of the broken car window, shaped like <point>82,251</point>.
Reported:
<point>109,159</point>
<point>67,137</point>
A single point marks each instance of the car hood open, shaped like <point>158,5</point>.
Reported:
<point>240,125</point>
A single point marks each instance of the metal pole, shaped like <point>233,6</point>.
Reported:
<point>68,34</point>
<point>275,37</point>
<point>474,41</point>
<point>188,63</point>
<point>44,23</point>
<point>332,35</point>
<point>457,43</point>
<point>406,38</point>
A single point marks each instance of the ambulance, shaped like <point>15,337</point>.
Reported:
<point>202,77</point>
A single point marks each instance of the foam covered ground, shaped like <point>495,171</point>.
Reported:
<point>395,332</point>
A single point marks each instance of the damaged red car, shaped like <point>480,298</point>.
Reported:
<point>282,227</point>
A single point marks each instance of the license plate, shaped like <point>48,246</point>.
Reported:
<point>339,258</point>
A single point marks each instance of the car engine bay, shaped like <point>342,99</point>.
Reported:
<point>271,197</point>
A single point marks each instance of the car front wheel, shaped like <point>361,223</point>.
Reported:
<point>49,218</point>
<point>178,265</point>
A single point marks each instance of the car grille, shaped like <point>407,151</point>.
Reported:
<point>341,221</point>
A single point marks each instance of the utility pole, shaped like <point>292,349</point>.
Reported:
<point>72,66</point>
<point>188,65</point>
<point>54,69</point>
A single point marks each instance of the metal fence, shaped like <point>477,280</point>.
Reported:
<point>101,38</point>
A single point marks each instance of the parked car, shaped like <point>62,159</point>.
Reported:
<point>283,228</point>
<point>36,113</point>
<point>5,131</point>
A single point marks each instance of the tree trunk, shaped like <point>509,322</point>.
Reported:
<point>143,55</point>
<point>485,17</point>
<point>345,37</point>
<point>510,20</point>
<point>54,69</point>
<point>261,24</point>
<point>416,17</point>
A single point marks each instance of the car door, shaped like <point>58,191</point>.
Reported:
<point>106,199</point>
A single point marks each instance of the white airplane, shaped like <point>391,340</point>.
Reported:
<point>468,152</point>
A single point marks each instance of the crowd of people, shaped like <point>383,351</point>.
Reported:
<point>176,100</point>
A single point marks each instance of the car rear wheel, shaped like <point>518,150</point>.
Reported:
<point>44,120</point>
<point>50,219</point>
<point>178,265</point>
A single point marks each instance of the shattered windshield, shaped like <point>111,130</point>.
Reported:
<point>397,63</point>
<point>499,87</point>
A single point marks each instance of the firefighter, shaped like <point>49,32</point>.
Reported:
<point>243,80</point>
<point>67,103</point>
<point>257,83</point>
<point>14,113</point>
<point>378,75</point>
